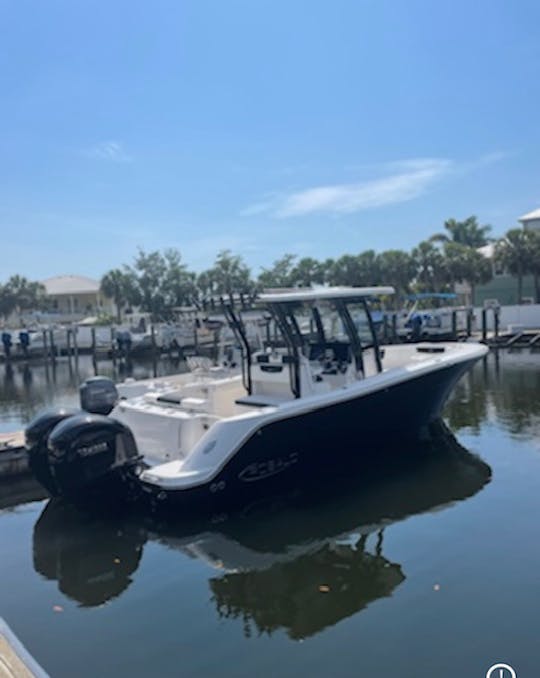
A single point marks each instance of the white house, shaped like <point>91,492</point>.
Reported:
<point>531,220</point>
<point>73,297</point>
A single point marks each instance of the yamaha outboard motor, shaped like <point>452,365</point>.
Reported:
<point>36,439</point>
<point>98,395</point>
<point>91,454</point>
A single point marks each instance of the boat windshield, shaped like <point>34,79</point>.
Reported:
<point>328,321</point>
<point>362,324</point>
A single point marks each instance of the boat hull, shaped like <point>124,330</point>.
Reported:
<point>333,440</point>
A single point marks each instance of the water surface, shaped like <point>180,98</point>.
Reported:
<point>27,387</point>
<point>429,569</point>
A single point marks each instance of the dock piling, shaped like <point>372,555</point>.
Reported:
<point>394,328</point>
<point>113,344</point>
<point>52,345</point>
<point>68,342</point>
<point>469,321</point>
<point>45,345</point>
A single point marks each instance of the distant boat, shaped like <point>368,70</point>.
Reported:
<point>418,322</point>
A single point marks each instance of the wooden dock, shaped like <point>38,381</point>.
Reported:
<point>519,338</point>
<point>17,484</point>
<point>15,660</point>
<point>13,457</point>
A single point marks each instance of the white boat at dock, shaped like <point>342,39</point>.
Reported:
<point>318,392</point>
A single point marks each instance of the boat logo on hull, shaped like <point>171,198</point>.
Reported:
<point>260,470</point>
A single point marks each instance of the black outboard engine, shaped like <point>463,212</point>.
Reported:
<point>36,439</point>
<point>91,454</point>
<point>98,395</point>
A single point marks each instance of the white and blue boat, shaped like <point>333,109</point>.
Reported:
<point>314,399</point>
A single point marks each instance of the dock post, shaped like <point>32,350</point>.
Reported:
<point>215,347</point>
<point>75,348</point>
<point>469,321</point>
<point>93,348</point>
<point>394,328</point>
<point>153,335</point>
<point>454,325</point>
<point>45,345</point>
<point>154,350</point>
<point>496,322</point>
<point>51,343</point>
<point>113,344</point>
<point>484,324</point>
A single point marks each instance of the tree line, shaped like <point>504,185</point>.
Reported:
<point>158,282</point>
<point>20,294</point>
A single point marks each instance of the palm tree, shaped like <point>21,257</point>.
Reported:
<point>20,294</point>
<point>7,301</point>
<point>467,232</point>
<point>429,264</point>
<point>307,271</point>
<point>515,253</point>
<point>228,275</point>
<point>279,274</point>
<point>398,269</point>
<point>466,264</point>
<point>369,269</point>
<point>119,286</point>
<point>345,271</point>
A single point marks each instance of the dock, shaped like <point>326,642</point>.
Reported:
<point>517,338</point>
<point>17,484</point>
<point>13,457</point>
<point>15,660</point>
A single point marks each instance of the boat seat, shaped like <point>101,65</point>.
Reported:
<point>260,400</point>
<point>340,351</point>
<point>173,398</point>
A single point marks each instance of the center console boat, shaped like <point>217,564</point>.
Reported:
<point>317,397</point>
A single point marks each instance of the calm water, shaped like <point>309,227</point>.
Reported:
<point>431,571</point>
<point>26,388</point>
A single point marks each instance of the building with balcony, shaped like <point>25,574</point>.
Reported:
<point>73,297</point>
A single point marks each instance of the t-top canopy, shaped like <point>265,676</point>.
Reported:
<point>314,294</point>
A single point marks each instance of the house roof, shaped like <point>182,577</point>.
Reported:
<point>487,251</point>
<point>535,214</point>
<point>70,284</point>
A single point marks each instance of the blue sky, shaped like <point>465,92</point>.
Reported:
<point>266,127</point>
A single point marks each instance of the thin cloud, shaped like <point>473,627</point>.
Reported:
<point>405,181</point>
<point>109,150</point>
<point>258,208</point>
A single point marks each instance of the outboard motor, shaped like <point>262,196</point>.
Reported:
<point>98,395</point>
<point>36,438</point>
<point>91,454</point>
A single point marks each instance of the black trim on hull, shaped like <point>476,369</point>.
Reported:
<point>332,440</point>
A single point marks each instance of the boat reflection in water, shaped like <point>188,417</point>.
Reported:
<point>301,564</point>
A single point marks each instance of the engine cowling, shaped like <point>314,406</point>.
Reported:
<point>98,395</point>
<point>91,453</point>
<point>36,439</point>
